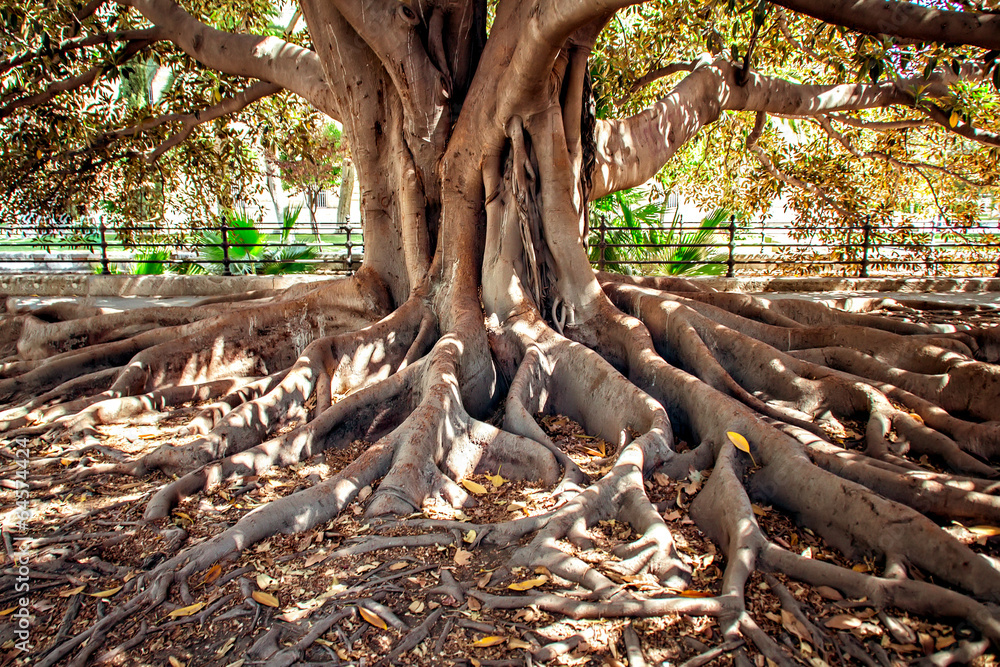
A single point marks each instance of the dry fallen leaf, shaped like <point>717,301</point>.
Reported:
<point>474,487</point>
<point>469,537</point>
<point>372,618</point>
<point>491,640</point>
<point>528,583</point>
<point>843,622</point>
<point>265,581</point>
<point>474,604</point>
<point>174,662</point>
<point>187,611</point>
<point>416,607</point>
<point>395,567</point>
<point>462,557</point>
<point>795,626</point>
<point>829,593</point>
<point>73,591</point>
<point>985,531</point>
<point>265,599</point>
<point>106,594</point>
<point>515,643</point>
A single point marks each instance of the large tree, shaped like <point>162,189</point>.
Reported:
<point>476,143</point>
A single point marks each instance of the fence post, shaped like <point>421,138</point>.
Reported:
<point>105,267</point>
<point>225,250</point>
<point>602,244</point>
<point>865,245</point>
<point>349,243</point>
<point>731,261</point>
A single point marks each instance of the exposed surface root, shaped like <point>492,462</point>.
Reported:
<point>845,428</point>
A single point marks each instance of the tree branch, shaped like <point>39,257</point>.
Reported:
<point>879,126</point>
<point>266,58</point>
<point>632,150</point>
<point>650,77</point>
<point>769,166</point>
<point>827,126</point>
<point>82,42</point>
<point>943,118</point>
<point>904,19</point>
<point>227,106</point>
<point>73,82</point>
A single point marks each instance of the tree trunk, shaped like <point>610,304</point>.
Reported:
<point>476,310</point>
<point>346,191</point>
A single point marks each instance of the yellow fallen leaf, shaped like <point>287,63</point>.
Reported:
<point>491,640</point>
<point>73,591</point>
<point>106,594</point>
<point>469,537</point>
<point>187,611</point>
<point>496,480</point>
<point>591,452</point>
<point>174,662</point>
<point>38,153</point>
<point>695,594</point>
<point>758,510</point>
<point>953,119</point>
<point>8,610</point>
<point>528,583</point>
<point>265,598</point>
<point>985,531</point>
<point>372,618</point>
<point>66,462</point>
<point>515,643</point>
<point>740,443</point>
<point>265,581</point>
<point>474,487</point>
<point>184,517</point>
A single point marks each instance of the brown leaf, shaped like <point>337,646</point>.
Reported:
<point>828,593</point>
<point>462,557</point>
<point>474,604</point>
<point>795,626</point>
<point>843,622</point>
<point>265,599</point>
<point>73,591</point>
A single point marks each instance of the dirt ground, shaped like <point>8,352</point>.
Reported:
<point>413,591</point>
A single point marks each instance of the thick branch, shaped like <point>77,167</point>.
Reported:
<point>631,151</point>
<point>904,19</point>
<point>267,58</point>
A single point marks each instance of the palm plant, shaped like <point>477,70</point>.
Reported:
<point>249,252</point>
<point>636,242</point>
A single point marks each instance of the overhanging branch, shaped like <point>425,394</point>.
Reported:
<point>254,56</point>
<point>904,19</point>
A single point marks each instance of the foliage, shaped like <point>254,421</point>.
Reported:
<point>248,252</point>
<point>637,242</point>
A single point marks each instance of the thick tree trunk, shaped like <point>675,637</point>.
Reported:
<point>477,306</point>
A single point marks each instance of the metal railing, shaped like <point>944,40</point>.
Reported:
<point>62,247</point>
<point>735,248</point>
<point>769,247</point>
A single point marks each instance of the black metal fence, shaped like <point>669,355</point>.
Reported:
<point>768,247</point>
<point>228,249</point>
<point>735,248</point>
